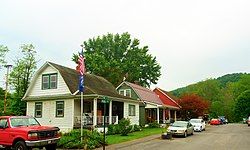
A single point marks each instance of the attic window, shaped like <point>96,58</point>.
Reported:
<point>125,92</point>
<point>49,81</point>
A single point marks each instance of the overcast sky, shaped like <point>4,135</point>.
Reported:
<point>192,39</point>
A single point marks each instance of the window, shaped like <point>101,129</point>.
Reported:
<point>125,92</point>
<point>4,123</point>
<point>49,81</point>
<point>60,109</point>
<point>38,109</point>
<point>131,110</point>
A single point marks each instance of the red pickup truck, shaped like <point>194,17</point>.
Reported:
<point>25,132</point>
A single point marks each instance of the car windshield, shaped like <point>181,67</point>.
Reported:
<point>195,121</point>
<point>179,124</point>
<point>23,121</point>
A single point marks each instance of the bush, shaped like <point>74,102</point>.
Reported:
<point>114,129</point>
<point>72,140</point>
<point>137,128</point>
<point>125,126</point>
<point>154,125</point>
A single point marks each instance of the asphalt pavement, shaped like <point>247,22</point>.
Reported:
<point>222,137</point>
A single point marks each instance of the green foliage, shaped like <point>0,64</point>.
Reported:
<point>242,106</point>
<point>3,52</point>
<point>117,56</point>
<point>114,139</point>
<point>114,129</point>
<point>216,109</point>
<point>221,92</point>
<point>23,70</point>
<point>154,124</point>
<point>72,140</point>
<point>136,127</point>
<point>125,126</point>
<point>224,80</point>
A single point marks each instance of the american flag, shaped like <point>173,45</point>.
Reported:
<point>81,70</point>
<point>81,64</point>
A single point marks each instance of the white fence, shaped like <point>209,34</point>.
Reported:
<point>88,120</point>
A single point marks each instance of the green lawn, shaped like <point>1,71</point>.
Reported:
<point>114,139</point>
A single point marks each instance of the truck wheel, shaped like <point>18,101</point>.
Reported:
<point>20,145</point>
<point>51,147</point>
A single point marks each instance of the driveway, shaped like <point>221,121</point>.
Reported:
<point>223,137</point>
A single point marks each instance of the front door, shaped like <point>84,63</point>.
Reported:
<point>118,109</point>
<point>4,134</point>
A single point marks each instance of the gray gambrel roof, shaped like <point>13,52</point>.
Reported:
<point>94,85</point>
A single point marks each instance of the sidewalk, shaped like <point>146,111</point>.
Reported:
<point>129,143</point>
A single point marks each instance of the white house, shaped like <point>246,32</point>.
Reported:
<point>53,99</point>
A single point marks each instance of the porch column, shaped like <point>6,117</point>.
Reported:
<point>110,112</point>
<point>95,112</point>
<point>164,115</point>
<point>158,115</point>
<point>175,115</point>
<point>169,114</point>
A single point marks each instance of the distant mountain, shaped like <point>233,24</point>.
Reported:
<point>234,77</point>
<point>222,81</point>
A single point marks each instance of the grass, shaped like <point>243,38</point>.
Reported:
<point>114,139</point>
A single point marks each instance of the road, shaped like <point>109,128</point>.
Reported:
<point>223,137</point>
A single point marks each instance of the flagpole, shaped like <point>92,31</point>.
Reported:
<point>81,114</point>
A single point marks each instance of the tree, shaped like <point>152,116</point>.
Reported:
<point>21,75</point>
<point>117,56</point>
<point>193,106</point>
<point>242,106</point>
<point>3,51</point>
<point>216,109</point>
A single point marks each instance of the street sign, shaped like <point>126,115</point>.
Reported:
<point>105,100</point>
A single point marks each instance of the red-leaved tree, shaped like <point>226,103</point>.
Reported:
<point>193,106</point>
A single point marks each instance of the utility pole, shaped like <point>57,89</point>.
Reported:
<point>6,86</point>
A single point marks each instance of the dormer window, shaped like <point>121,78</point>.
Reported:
<point>125,92</point>
<point>49,81</point>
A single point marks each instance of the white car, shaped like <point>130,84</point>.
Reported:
<point>199,124</point>
<point>183,128</point>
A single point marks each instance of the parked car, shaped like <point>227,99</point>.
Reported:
<point>183,128</point>
<point>215,122</point>
<point>248,121</point>
<point>199,124</point>
<point>24,132</point>
<point>223,119</point>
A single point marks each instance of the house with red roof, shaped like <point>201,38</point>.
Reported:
<point>170,102</point>
<point>152,107</point>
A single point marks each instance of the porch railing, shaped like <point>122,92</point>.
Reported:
<point>87,120</point>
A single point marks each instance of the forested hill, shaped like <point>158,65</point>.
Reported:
<point>222,82</point>
<point>223,94</point>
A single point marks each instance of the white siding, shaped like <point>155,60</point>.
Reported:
<point>49,114</point>
<point>36,89</point>
<point>151,106</point>
<point>133,119</point>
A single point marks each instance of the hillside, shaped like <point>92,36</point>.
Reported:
<point>222,81</point>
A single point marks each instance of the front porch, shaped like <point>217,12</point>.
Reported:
<point>93,112</point>
<point>161,115</point>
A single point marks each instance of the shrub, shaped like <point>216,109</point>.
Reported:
<point>114,129</point>
<point>137,128</point>
<point>125,126</point>
<point>154,125</point>
<point>72,140</point>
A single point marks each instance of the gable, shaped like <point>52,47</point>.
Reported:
<point>35,88</point>
<point>125,87</point>
<point>166,99</point>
